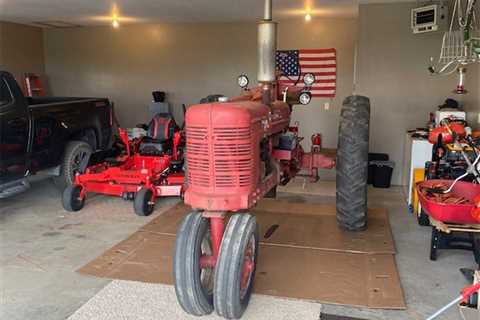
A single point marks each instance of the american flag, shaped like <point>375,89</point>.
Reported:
<point>321,62</point>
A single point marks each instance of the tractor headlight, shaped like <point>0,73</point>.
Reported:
<point>309,79</point>
<point>305,98</point>
<point>243,81</point>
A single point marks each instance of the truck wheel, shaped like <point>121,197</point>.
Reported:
<point>193,284</point>
<point>235,270</point>
<point>71,199</point>
<point>75,153</point>
<point>352,163</point>
<point>143,203</point>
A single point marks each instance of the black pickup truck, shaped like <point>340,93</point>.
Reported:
<point>50,135</point>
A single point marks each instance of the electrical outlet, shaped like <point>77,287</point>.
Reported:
<point>326,105</point>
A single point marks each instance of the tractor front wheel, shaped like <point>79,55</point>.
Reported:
<point>235,269</point>
<point>193,284</point>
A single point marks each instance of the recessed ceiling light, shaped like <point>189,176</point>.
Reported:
<point>115,23</point>
<point>308,17</point>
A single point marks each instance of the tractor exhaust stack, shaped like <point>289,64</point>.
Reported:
<point>267,46</point>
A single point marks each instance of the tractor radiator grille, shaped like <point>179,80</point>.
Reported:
<point>233,157</point>
<point>198,157</point>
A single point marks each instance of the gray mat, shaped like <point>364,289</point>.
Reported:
<point>144,301</point>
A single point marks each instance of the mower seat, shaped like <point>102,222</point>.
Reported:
<point>159,135</point>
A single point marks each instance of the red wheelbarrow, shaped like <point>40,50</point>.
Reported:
<point>452,207</point>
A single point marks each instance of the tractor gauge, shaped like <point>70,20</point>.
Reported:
<point>243,81</point>
<point>308,79</point>
<point>305,98</point>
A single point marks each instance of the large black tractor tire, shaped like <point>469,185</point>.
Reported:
<point>352,163</point>
<point>76,152</point>
<point>193,286</point>
<point>230,299</point>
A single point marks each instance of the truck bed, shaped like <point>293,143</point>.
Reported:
<point>37,101</point>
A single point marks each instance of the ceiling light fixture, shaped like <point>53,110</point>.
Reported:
<point>115,23</point>
<point>308,17</point>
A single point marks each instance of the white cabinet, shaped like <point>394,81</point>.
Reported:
<point>417,152</point>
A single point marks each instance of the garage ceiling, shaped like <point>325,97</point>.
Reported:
<point>100,12</point>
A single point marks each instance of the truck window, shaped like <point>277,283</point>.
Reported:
<point>5,94</point>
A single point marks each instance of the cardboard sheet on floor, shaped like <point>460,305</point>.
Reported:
<point>302,259</point>
<point>303,225</point>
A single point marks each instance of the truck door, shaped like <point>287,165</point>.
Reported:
<point>13,131</point>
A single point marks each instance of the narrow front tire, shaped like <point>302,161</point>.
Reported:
<point>193,285</point>
<point>236,264</point>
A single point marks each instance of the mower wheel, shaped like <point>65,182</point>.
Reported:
<point>71,199</point>
<point>76,153</point>
<point>423,219</point>
<point>193,284</point>
<point>235,270</point>
<point>143,204</point>
<point>352,163</point>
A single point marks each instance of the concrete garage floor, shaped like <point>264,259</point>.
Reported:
<point>42,246</point>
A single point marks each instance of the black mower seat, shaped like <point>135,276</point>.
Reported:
<point>159,135</point>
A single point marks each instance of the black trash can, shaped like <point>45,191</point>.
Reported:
<point>382,173</point>
<point>371,167</point>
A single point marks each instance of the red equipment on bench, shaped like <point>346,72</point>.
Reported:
<point>151,167</point>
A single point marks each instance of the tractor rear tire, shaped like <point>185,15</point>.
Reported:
<point>194,295</point>
<point>352,163</point>
<point>142,204</point>
<point>233,282</point>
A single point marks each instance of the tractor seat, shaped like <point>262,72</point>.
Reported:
<point>159,135</point>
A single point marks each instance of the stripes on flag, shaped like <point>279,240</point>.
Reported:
<point>322,63</point>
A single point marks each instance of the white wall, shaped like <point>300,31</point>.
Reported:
<point>392,71</point>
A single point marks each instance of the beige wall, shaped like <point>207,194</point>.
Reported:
<point>392,71</point>
<point>188,61</point>
<point>21,49</point>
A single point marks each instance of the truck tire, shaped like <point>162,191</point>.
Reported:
<point>352,163</point>
<point>75,153</point>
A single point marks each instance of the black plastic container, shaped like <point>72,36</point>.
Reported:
<point>371,167</point>
<point>382,173</point>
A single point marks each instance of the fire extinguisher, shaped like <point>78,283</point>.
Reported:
<point>317,140</point>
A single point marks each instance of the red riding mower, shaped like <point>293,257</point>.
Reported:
<point>149,167</point>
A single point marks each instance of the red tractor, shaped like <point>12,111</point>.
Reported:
<point>237,151</point>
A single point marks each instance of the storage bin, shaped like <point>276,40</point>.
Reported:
<point>382,173</point>
<point>375,157</point>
